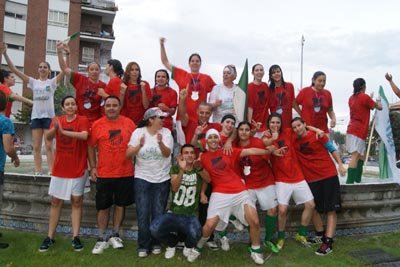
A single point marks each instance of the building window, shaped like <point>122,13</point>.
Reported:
<point>14,15</point>
<point>51,47</point>
<point>87,54</point>
<point>58,18</point>
<point>14,46</point>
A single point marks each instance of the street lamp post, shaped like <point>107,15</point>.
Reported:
<point>301,61</point>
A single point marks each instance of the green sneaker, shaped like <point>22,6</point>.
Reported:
<point>302,239</point>
<point>271,246</point>
<point>280,243</point>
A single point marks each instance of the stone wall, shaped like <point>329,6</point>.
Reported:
<point>367,208</point>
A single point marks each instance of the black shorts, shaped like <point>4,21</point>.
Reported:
<point>110,191</point>
<point>326,194</point>
<point>43,123</point>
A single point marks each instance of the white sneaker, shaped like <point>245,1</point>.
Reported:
<point>186,251</point>
<point>257,257</point>
<point>99,247</point>
<point>169,253</point>
<point>212,245</point>
<point>115,242</point>
<point>156,250</point>
<point>225,243</point>
<point>142,254</point>
<point>193,255</point>
<point>238,225</point>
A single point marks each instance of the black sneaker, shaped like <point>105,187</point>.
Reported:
<point>3,245</point>
<point>47,242</point>
<point>76,244</point>
<point>324,249</point>
<point>316,239</point>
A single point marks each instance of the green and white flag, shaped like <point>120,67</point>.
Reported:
<point>240,96</point>
<point>71,37</point>
<point>387,157</point>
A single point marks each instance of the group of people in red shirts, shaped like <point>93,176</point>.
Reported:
<point>268,158</point>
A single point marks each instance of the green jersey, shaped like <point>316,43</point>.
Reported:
<point>186,199</point>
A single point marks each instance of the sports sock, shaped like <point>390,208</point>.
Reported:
<point>351,175</point>
<point>281,235</point>
<point>270,226</point>
<point>303,230</point>
<point>360,164</point>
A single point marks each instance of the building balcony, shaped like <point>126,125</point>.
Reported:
<point>105,9</point>
<point>97,37</point>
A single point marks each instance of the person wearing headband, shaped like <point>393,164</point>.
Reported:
<point>230,195</point>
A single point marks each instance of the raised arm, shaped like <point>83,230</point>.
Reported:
<point>164,58</point>
<point>395,89</point>
<point>182,107</point>
<point>21,75</point>
<point>63,65</point>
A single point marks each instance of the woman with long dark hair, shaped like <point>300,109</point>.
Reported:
<point>360,105</point>
<point>316,103</point>
<point>135,93</point>
<point>164,97</point>
<point>283,95</point>
<point>43,108</point>
<point>260,101</point>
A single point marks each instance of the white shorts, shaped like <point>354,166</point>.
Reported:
<point>266,197</point>
<point>64,188</point>
<point>355,144</point>
<point>300,192</point>
<point>225,205</point>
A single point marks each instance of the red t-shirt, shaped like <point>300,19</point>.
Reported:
<point>259,98</point>
<point>286,169</point>
<point>114,86</point>
<point>190,129</point>
<point>111,139</point>
<point>71,153</point>
<point>315,106</point>
<point>200,82</point>
<point>260,170</point>
<point>133,105</point>
<point>169,97</point>
<point>360,107</point>
<point>7,91</point>
<point>220,167</point>
<point>87,99</point>
<point>283,103</point>
<point>314,158</point>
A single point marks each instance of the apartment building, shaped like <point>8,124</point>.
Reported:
<point>31,28</point>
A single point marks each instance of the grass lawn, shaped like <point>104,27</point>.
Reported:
<point>23,251</point>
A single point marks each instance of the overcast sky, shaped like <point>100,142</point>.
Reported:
<point>345,39</point>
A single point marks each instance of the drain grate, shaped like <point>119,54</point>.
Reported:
<point>377,257</point>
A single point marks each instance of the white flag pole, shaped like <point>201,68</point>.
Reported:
<point>369,143</point>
